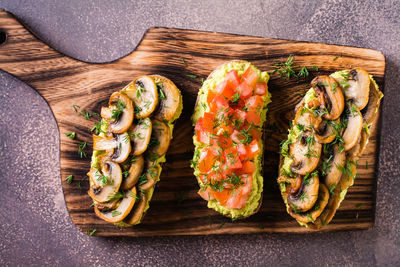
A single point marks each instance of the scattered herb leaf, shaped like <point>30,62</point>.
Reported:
<point>71,135</point>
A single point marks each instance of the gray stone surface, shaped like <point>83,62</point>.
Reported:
<point>35,227</point>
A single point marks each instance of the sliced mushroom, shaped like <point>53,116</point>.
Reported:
<point>325,131</point>
<point>306,118</point>
<point>160,138</point>
<point>306,153</point>
<point>135,170</point>
<point>107,112</point>
<point>356,86</point>
<point>370,113</point>
<point>354,126</point>
<point>124,208</point>
<point>143,91</point>
<point>329,211</point>
<point>306,197</point>
<point>151,176</point>
<point>107,205</point>
<point>332,166</point>
<point>349,173</point>
<point>170,104</point>
<point>118,146</point>
<point>105,184</point>
<point>119,113</point>
<point>330,96</point>
<point>296,185</point>
<point>140,135</point>
<point>137,214</point>
<point>312,214</point>
<point>292,184</point>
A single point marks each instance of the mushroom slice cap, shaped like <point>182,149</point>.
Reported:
<point>325,131</point>
<point>170,104</point>
<point>306,152</point>
<point>333,163</point>
<point>110,180</point>
<point>354,126</point>
<point>118,147</point>
<point>107,205</point>
<point>151,176</point>
<point>296,185</point>
<point>123,149</point>
<point>306,197</point>
<point>124,208</point>
<point>135,170</point>
<point>356,86</point>
<point>330,94</point>
<point>349,174</point>
<point>312,214</point>
<point>306,117</point>
<point>329,211</point>
<point>143,91</point>
<point>370,116</point>
<point>140,135</point>
<point>160,138</point>
<point>104,142</point>
<point>137,213</point>
<point>106,113</point>
<point>119,113</point>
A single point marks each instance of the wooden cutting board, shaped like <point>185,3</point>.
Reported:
<point>176,209</point>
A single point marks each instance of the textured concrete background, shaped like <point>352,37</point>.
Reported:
<point>35,227</point>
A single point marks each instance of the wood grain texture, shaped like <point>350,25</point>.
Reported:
<point>176,209</point>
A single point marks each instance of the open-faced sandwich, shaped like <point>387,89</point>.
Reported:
<point>228,118</point>
<point>328,134</point>
<point>131,142</point>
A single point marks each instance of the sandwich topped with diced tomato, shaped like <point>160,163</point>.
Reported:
<point>228,118</point>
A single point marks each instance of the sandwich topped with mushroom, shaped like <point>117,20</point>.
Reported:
<point>330,131</point>
<point>129,146</point>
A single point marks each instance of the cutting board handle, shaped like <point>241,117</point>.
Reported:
<point>25,56</point>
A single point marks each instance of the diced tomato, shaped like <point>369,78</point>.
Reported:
<point>250,76</point>
<point>245,90</point>
<point>253,149</point>
<point>216,176</point>
<point>210,96</point>
<point>205,123</point>
<point>228,86</point>
<point>239,196</point>
<point>203,137</point>
<point>208,121</point>
<point>207,159</point>
<point>219,103</point>
<point>241,149</point>
<point>223,129</point>
<point>224,89</point>
<point>206,194</point>
<point>240,115</point>
<point>255,133</point>
<point>224,142</point>
<point>235,136</point>
<point>239,104</point>
<point>222,196</point>
<point>232,159</point>
<point>261,88</point>
<point>247,167</point>
<point>232,79</point>
<point>253,117</point>
<point>254,103</point>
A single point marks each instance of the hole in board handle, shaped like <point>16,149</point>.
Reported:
<point>3,37</point>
